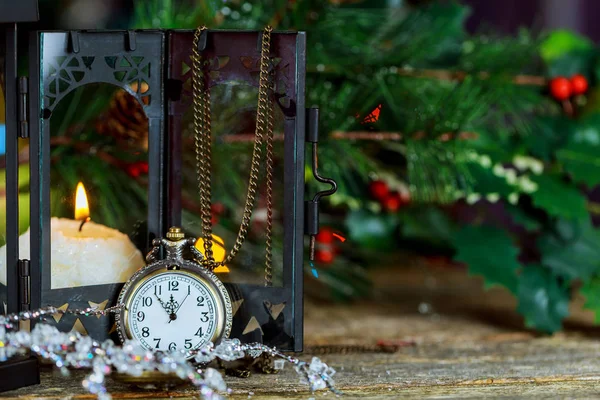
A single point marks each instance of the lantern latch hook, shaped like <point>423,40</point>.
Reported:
<point>311,207</point>
<point>73,43</point>
<point>131,41</point>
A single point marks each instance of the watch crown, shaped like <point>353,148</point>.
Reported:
<point>175,234</point>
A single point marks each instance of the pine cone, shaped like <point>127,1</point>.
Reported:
<point>125,120</point>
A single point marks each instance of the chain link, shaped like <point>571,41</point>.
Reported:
<point>269,178</point>
<point>203,139</point>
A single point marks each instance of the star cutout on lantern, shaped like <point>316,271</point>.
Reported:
<point>236,306</point>
<point>113,329</point>
<point>274,309</point>
<point>78,327</point>
<point>98,306</point>
<point>252,326</point>
<point>58,316</point>
<point>272,332</point>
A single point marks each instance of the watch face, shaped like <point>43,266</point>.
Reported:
<point>173,310</point>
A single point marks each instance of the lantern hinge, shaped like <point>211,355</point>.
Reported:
<point>23,106</point>
<point>24,285</point>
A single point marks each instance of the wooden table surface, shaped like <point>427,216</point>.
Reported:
<point>467,344</point>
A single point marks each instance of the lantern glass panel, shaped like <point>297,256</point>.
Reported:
<point>233,109</point>
<point>101,125</point>
<point>99,171</point>
<point>99,137</point>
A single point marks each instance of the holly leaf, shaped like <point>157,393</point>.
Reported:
<point>580,156</point>
<point>567,53</point>
<point>591,291</point>
<point>572,251</point>
<point>585,131</point>
<point>549,134</point>
<point>542,301</point>
<point>488,252</point>
<point>371,230</point>
<point>427,223</point>
<point>522,218</point>
<point>576,62</point>
<point>558,198</point>
<point>562,42</point>
<point>582,162</point>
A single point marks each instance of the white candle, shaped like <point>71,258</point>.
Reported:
<point>94,255</point>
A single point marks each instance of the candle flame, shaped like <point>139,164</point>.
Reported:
<point>82,208</point>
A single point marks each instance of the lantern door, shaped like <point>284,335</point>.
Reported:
<point>14,199</point>
<point>21,370</point>
<point>267,305</point>
<point>96,107</point>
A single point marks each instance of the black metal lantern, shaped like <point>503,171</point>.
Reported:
<point>73,263</point>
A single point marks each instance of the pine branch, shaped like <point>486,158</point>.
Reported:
<point>449,75</point>
<point>398,136</point>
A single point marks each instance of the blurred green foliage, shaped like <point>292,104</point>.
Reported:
<point>526,160</point>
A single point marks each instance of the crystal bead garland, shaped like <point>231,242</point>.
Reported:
<point>72,350</point>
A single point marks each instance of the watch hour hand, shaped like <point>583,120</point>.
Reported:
<point>162,303</point>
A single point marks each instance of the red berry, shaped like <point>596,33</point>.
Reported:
<point>325,235</point>
<point>324,256</point>
<point>133,170</point>
<point>579,84</point>
<point>217,208</point>
<point>392,202</point>
<point>143,166</point>
<point>561,88</point>
<point>379,190</point>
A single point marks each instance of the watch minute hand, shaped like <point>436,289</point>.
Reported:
<point>180,304</point>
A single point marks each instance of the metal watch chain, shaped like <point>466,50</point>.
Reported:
<point>203,139</point>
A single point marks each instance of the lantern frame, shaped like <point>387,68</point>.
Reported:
<point>20,372</point>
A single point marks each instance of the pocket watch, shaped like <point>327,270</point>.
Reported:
<point>174,303</point>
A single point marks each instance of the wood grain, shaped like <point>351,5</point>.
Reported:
<point>468,344</point>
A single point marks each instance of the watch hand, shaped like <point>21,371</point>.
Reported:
<point>161,303</point>
<point>180,304</point>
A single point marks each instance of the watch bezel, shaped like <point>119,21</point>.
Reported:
<point>213,283</point>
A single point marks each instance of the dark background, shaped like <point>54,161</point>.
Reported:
<point>507,16</point>
<point>499,16</point>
